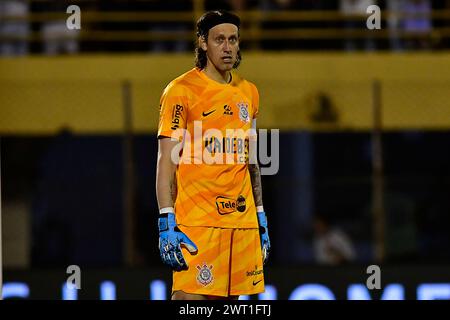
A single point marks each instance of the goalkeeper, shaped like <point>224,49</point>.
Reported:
<point>212,226</point>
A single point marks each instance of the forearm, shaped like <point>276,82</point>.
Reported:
<point>165,177</point>
<point>165,188</point>
<point>255,176</point>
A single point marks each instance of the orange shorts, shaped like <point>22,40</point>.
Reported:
<point>228,263</point>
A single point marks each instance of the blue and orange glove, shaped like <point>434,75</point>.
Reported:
<point>264,235</point>
<point>170,240</point>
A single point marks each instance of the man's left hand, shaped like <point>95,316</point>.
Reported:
<point>264,235</point>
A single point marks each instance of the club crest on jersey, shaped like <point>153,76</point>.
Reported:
<point>243,112</point>
<point>204,275</point>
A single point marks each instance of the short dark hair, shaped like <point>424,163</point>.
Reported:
<point>207,21</point>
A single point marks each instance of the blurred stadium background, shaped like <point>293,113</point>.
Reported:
<point>364,119</point>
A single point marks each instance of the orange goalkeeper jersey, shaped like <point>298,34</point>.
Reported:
<point>213,121</point>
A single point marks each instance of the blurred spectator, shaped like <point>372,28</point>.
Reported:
<point>394,23</point>
<point>277,5</point>
<point>57,38</point>
<point>324,109</point>
<point>171,27</point>
<point>332,246</point>
<point>18,30</point>
<point>355,12</point>
<point>417,20</point>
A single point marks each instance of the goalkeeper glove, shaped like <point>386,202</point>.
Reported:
<point>264,235</point>
<point>170,240</point>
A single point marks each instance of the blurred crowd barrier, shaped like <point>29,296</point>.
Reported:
<point>39,26</point>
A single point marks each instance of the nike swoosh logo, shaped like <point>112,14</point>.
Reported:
<point>255,283</point>
<point>207,113</point>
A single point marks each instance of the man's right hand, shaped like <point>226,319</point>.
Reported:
<point>170,240</point>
